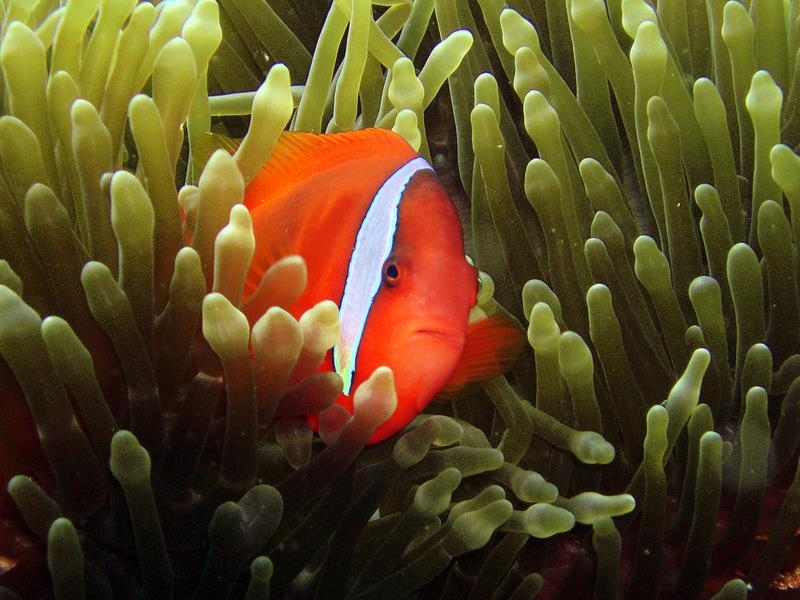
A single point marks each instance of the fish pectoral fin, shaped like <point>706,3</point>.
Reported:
<point>491,348</point>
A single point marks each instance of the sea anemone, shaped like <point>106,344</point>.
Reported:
<point>621,170</point>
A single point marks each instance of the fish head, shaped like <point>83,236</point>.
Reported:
<point>417,321</point>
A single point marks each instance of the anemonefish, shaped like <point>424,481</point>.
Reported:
<point>382,239</point>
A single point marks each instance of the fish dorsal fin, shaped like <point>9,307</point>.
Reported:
<point>491,348</point>
<point>298,156</point>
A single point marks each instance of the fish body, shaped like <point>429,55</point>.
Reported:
<point>381,238</point>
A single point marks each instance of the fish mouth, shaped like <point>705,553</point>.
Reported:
<point>438,333</point>
<point>431,330</point>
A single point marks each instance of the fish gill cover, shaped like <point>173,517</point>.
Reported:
<point>633,191</point>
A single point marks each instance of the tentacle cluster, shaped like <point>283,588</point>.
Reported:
<point>633,192</point>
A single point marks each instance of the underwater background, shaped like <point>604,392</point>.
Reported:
<point>628,181</point>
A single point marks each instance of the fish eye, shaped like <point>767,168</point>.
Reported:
<point>391,272</point>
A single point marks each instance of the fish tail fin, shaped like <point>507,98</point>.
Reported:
<point>207,144</point>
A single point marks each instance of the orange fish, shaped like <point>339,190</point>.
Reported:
<point>382,239</point>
